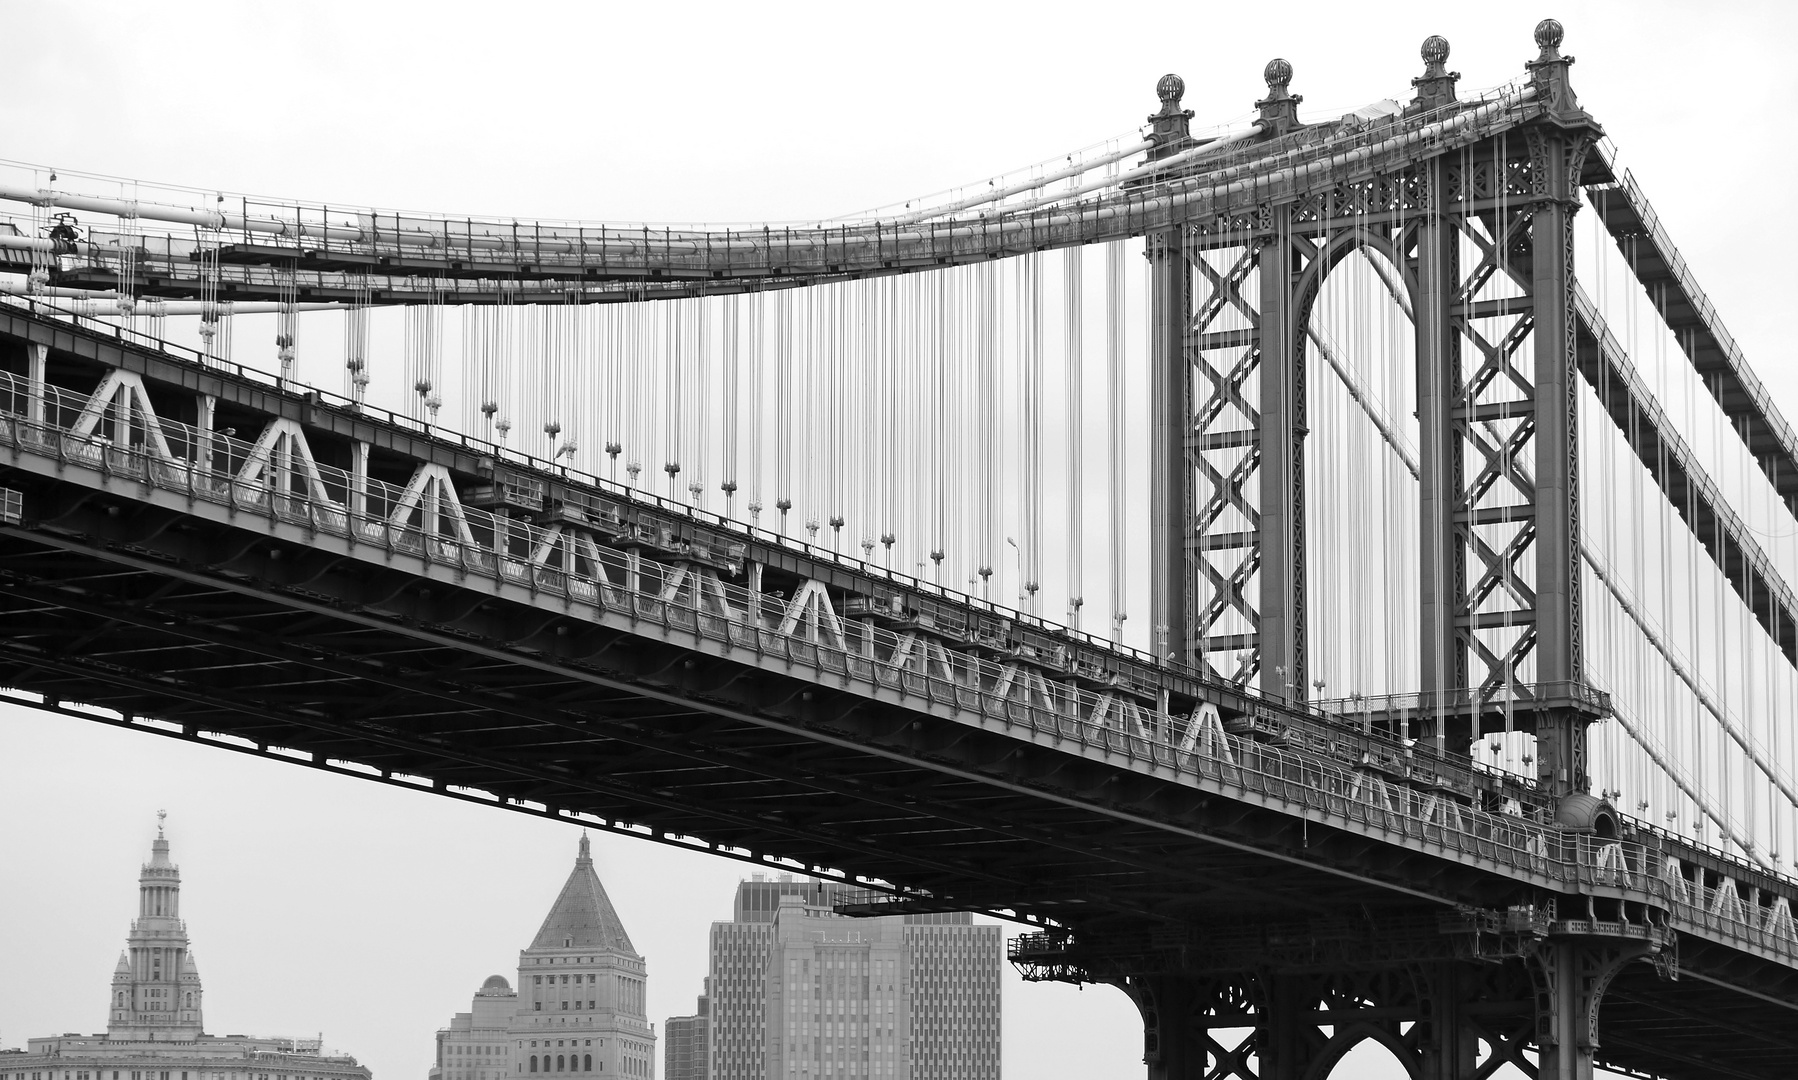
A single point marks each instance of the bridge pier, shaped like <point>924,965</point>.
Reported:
<point>1450,997</point>
<point>1448,1044</point>
<point>1571,976</point>
<point>1182,1015</point>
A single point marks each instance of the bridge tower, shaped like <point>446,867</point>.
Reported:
<point>1496,402</point>
<point>1480,238</point>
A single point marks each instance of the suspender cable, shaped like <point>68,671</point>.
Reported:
<point>1114,429</point>
<point>733,403</point>
<point>1074,394</point>
<point>758,307</point>
<point>1033,433</point>
<point>992,369</point>
<point>783,405</point>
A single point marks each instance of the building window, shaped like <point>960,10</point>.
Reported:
<point>558,1062</point>
<point>537,1005</point>
<point>588,1067</point>
<point>533,1062</point>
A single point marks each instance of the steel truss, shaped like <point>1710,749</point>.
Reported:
<point>1479,246</point>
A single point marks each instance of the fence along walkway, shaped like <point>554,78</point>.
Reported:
<point>876,647</point>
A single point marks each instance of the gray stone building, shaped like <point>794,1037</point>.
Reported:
<point>154,1020</point>
<point>579,1005</point>
<point>798,992</point>
<point>686,1041</point>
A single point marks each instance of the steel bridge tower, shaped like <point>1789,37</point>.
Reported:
<point>1499,491</point>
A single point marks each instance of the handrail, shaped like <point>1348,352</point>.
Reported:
<point>550,471</point>
<point>1781,467</point>
<point>981,691</point>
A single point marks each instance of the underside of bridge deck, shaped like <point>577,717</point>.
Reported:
<point>225,632</point>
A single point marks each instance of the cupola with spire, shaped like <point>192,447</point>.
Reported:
<point>156,991</point>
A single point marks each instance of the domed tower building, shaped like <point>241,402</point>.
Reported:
<point>580,1009</point>
<point>153,1012</point>
<point>156,986</point>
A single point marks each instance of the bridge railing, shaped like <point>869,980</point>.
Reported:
<point>953,660</point>
<point>1018,692</point>
<point>551,471</point>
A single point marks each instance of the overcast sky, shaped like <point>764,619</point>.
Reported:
<point>318,903</point>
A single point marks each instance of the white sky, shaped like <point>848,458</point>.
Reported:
<point>321,903</point>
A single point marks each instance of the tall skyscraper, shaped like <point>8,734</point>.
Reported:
<point>579,1006</point>
<point>154,1026</point>
<point>798,992</point>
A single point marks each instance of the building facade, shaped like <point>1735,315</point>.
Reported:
<point>579,1007</point>
<point>154,1018</point>
<point>798,992</point>
<point>687,1040</point>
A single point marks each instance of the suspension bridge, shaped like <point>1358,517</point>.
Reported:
<point>1352,604</point>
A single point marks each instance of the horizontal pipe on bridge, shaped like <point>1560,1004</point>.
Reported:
<point>1203,150</point>
<point>107,307</point>
<point>437,233</point>
<point>27,243</point>
<point>91,303</point>
<point>1141,173</point>
<point>1029,185</point>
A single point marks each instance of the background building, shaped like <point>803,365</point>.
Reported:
<point>579,1006</point>
<point>687,1041</point>
<point>798,992</point>
<point>154,1028</point>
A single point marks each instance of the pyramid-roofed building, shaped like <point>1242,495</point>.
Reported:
<point>582,916</point>
<point>580,1004</point>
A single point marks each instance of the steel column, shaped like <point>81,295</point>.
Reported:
<point>1449,1047</point>
<point>1281,442</point>
<point>1571,976</point>
<point>1171,313</point>
<point>40,356</point>
<point>1165,1002</point>
<point>1560,736</point>
<point>1288,1033</point>
<point>1436,276</point>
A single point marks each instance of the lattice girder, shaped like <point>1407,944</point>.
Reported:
<point>1478,244</point>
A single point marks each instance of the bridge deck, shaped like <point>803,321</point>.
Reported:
<point>208,595</point>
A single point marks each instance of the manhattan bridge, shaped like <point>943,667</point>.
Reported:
<point>1324,574</point>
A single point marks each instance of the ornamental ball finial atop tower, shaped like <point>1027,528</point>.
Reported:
<point>1278,74</point>
<point>1435,49</point>
<point>1170,90</point>
<point>1549,33</point>
<point>1172,123</point>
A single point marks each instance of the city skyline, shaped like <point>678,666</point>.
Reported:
<point>283,973</point>
<point>440,893</point>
